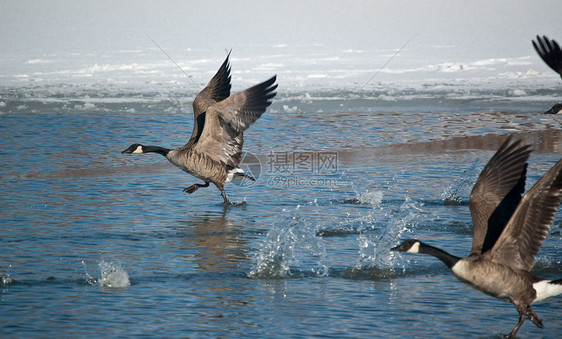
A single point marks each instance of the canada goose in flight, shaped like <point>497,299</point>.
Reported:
<point>508,231</point>
<point>214,150</point>
<point>550,52</point>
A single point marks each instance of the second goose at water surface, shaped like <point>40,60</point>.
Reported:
<point>214,150</point>
<point>507,232</point>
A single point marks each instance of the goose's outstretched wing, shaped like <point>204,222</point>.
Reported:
<point>226,121</point>
<point>528,227</point>
<point>550,52</point>
<point>216,90</point>
<point>497,193</point>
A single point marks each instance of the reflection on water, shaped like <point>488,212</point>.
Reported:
<point>217,239</point>
<point>304,260</point>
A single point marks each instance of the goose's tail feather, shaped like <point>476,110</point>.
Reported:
<point>238,173</point>
<point>547,288</point>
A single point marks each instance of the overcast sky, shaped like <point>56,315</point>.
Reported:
<point>84,26</point>
<point>441,31</point>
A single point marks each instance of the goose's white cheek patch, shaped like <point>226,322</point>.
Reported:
<point>414,249</point>
<point>138,150</point>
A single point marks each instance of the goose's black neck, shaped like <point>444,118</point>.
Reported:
<point>445,257</point>
<point>156,149</point>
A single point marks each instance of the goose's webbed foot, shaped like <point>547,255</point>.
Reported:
<point>195,187</point>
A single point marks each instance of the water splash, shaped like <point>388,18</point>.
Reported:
<point>112,275</point>
<point>291,247</point>
<point>375,257</point>
<point>459,191</point>
<point>351,223</point>
<point>371,197</point>
<point>366,198</point>
<point>6,280</point>
<point>90,280</point>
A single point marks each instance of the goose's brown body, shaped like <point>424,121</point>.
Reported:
<point>199,165</point>
<point>496,280</point>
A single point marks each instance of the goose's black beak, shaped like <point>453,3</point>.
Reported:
<point>131,149</point>
<point>403,247</point>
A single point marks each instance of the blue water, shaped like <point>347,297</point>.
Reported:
<point>97,243</point>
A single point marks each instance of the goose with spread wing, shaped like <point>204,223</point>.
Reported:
<point>214,150</point>
<point>551,54</point>
<point>508,231</point>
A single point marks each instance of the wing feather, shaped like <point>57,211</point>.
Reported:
<point>216,90</point>
<point>550,52</point>
<point>523,236</point>
<point>239,112</point>
<point>226,121</point>
<point>497,193</point>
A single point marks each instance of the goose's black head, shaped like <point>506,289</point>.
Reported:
<point>134,148</point>
<point>556,109</point>
<point>138,148</point>
<point>408,246</point>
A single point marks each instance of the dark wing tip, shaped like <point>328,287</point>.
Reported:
<point>264,91</point>
<point>221,81</point>
<point>272,86</point>
<point>550,52</point>
<point>216,90</point>
<point>269,82</point>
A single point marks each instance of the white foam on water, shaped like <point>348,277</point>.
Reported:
<point>288,109</point>
<point>112,275</point>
